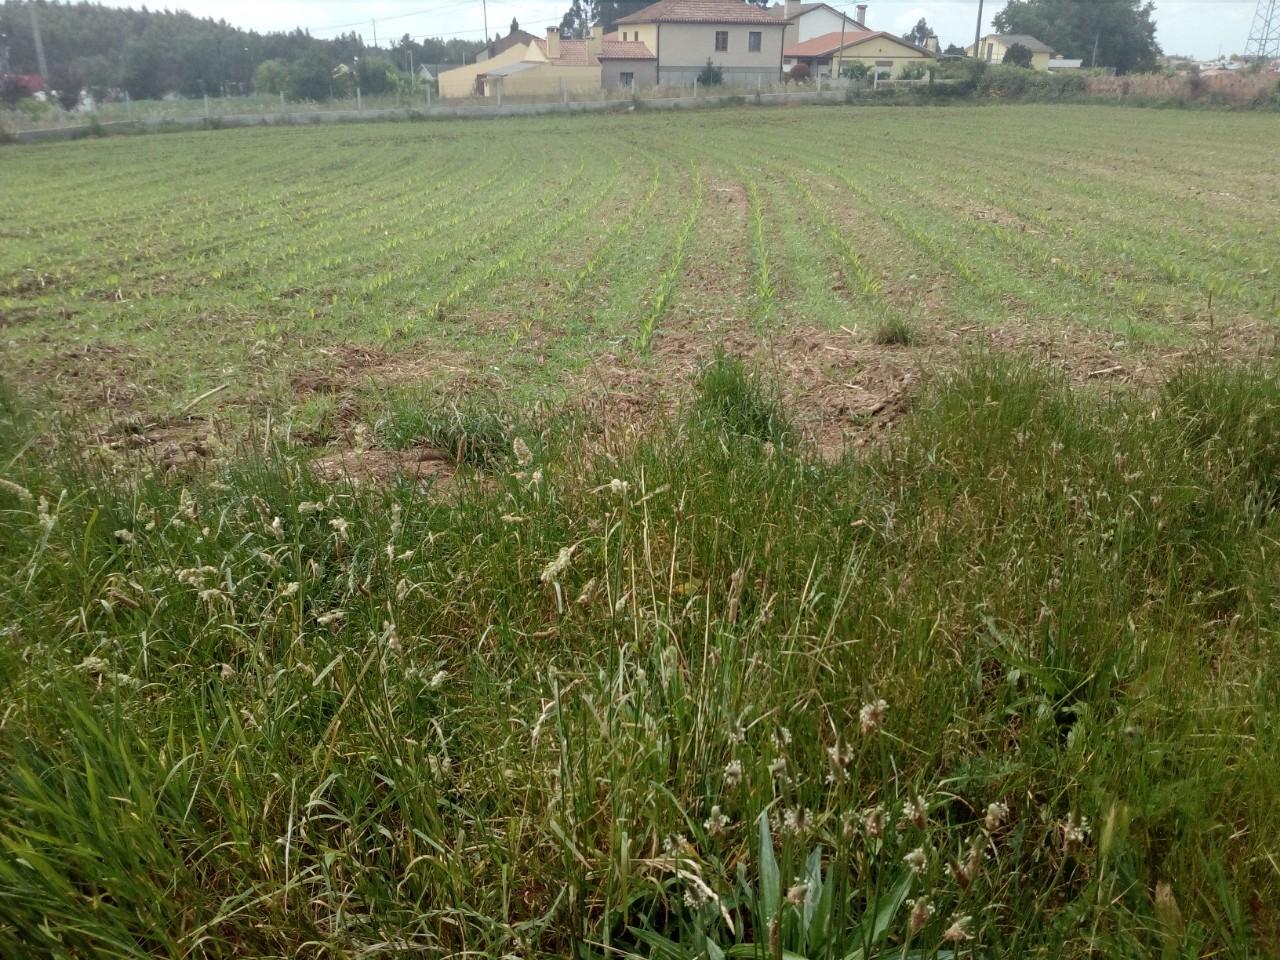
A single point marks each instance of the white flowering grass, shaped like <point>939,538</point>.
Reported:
<point>972,692</point>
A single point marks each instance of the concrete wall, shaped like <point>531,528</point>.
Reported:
<point>461,81</point>
<point>646,73</point>
<point>548,78</point>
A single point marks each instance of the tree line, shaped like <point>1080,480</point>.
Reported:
<point>151,53</point>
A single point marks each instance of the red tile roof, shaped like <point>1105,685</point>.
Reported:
<point>823,45</point>
<point>701,11</point>
<point>573,53</point>
<point>829,43</point>
<point>628,50</point>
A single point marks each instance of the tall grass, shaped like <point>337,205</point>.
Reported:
<point>1005,687</point>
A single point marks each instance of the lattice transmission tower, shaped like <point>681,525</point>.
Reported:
<point>1264,38</point>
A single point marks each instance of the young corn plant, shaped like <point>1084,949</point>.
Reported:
<point>864,277</point>
<point>765,285</point>
<point>670,278</point>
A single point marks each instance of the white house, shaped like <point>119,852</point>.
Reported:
<point>808,20</point>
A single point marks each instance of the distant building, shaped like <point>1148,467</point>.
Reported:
<point>887,56</point>
<point>1060,64</point>
<point>994,46</point>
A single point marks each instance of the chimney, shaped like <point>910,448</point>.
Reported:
<point>595,42</point>
<point>790,9</point>
<point>931,43</point>
<point>862,13</point>
<point>553,43</point>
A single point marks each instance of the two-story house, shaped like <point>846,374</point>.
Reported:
<point>742,40</point>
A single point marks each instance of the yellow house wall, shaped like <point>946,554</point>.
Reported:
<point>461,81</point>
<point>646,33</point>
<point>881,48</point>
<point>1039,61</point>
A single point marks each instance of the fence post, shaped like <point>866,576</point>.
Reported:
<point>359,101</point>
<point>499,93</point>
<point>128,106</point>
<point>428,97</point>
<point>695,88</point>
<point>564,92</point>
<point>206,106</point>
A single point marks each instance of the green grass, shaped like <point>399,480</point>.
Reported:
<point>611,684</point>
<point>242,256</point>
<point>615,707</point>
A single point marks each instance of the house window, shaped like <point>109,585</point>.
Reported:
<point>627,79</point>
<point>753,41</point>
<point>722,40</point>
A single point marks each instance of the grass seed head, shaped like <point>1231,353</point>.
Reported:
<point>958,931</point>
<point>997,815</point>
<point>872,715</point>
<point>921,913</point>
<point>917,860</point>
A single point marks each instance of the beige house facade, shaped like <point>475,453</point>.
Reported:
<point>742,40</point>
<point>994,46</point>
<point>626,64</point>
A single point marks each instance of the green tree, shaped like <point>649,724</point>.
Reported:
<point>376,75</point>
<point>919,33</point>
<point>710,75</point>
<point>1018,55</point>
<point>1122,30</point>
<point>272,76</point>
<point>310,77</point>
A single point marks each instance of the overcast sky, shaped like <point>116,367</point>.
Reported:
<point>1203,28</point>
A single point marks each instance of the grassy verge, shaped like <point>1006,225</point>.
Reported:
<point>1005,687</point>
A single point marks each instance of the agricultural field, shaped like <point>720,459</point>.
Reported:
<point>822,533</point>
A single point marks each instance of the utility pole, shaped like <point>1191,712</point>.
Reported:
<point>1093,62</point>
<point>840,55</point>
<point>375,33</point>
<point>35,33</point>
<point>977,35</point>
<point>484,7</point>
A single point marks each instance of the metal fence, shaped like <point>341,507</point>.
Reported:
<point>210,112</point>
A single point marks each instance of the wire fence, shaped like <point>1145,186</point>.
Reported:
<point>35,117</point>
